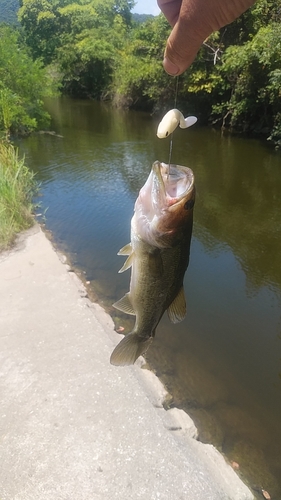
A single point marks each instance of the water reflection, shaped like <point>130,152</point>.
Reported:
<point>243,207</point>
<point>222,364</point>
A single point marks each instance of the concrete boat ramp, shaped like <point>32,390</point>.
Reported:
<point>73,427</point>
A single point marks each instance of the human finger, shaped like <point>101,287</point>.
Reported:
<point>196,20</point>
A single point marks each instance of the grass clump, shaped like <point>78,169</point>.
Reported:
<point>17,187</point>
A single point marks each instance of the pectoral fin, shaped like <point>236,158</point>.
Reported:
<point>125,305</point>
<point>126,250</point>
<point>177,310</point>
<point>128,263</point>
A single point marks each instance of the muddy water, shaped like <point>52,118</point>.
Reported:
<point>223,362</point>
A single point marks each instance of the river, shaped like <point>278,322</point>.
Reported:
<point>222,364</point>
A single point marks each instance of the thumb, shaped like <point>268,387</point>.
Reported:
<point>182,47</point>
<point>197,19</point>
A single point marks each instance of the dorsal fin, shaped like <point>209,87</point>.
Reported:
<point>125,305</point>
<point>177,309</point>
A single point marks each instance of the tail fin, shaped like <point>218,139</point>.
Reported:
<point>129,349</point>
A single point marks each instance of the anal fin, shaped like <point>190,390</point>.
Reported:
<point>177,310</point>
<point>125,305</point>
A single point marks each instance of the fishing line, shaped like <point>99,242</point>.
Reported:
<point>171,139</point>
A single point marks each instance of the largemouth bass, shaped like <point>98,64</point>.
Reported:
<point>161,230</point>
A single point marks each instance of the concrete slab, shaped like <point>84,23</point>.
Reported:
<point>73,427</point>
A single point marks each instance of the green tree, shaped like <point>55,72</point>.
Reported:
<point>99,52</point>
<point>235,80</point>
<point>23,83</point>
<point>252,95</point>
<point>139,79</point>
<point>40,20</point>
<point>80,37</point>
<point>48,23</point>
<point>86,55</point>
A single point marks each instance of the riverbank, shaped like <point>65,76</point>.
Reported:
<point>17,187</point>
<point>73,426</point>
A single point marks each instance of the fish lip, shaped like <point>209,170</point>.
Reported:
<point>159,170</point>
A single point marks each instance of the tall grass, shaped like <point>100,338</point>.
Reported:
<point>17,186</point>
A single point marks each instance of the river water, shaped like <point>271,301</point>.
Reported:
<point>222,364</point>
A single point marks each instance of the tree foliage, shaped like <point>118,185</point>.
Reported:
<point>138,78</point>
<point>41,22</point>
<point>99,51</point>
<point>22,86</point>
<point>234,81</point>
<point>81,37</point>
<point>253,76</point>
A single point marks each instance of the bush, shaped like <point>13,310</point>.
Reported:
<point>17,187</point>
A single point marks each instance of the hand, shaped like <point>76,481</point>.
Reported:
<point>193,21</point>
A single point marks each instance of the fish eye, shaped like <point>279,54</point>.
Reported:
<point>189,205</point>
<point>167,133</point>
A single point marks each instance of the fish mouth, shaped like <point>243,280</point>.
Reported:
<point>164,206</point>
<point>171,184</point>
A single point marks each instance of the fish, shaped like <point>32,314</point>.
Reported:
<point>170,122</point>
<point>158,255</point>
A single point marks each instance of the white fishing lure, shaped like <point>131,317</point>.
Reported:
<point>170,122</point>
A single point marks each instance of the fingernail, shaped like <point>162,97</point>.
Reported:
<point>170,67</point>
